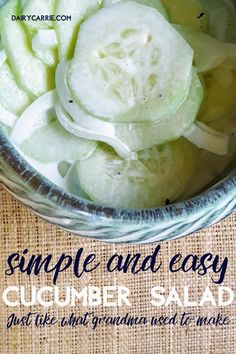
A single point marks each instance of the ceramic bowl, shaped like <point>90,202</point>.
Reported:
<point>108,224</point>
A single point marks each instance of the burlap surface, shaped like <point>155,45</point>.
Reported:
<point>20,229</point>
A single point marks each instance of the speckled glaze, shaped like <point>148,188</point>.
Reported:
<point>107,224</point>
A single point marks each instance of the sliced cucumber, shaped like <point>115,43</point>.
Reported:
<point>6,130</point>
<point>43,138</point>
<point>160,175</point>
<point>208,139</point>
<point>44,40</point>
<point>126,138</point>
<point>72,183</point>
<point>31,74</point>
<point>12,98</point>
<point>38,8</point>
<point>108,3</point>
<point>139,70</point>
<point>48,57</point>
<point>67,31</point>
<point>44,45</point>
<point>156,4</point>
<point>187,12</point>
<point>63,145</point>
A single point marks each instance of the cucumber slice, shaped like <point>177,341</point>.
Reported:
<point>108,3</point>
<point>52,143</point>
<point>12,98</point>
<point>6,130</point>
<point>38,8</point>
<point>43,138</point>
<point>67,31</point>
<point>208,139</point>
<point>158,176</point>
<point>139,70</point>
<point>44,40</point>
<point>72,183</point>
<point>126,138</point>
<point>31,74</point>
<point>44,45</point>
<point>156,4</point>
<point>187,12</point>
<point>48,57</point>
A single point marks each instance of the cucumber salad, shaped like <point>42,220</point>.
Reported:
<point>129,104</point>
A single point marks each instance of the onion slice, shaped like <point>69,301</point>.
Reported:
<point>69,124</point>
<point>43,107</point>
<point>39,134</point>
<point>7,118</point>
<point>207,138</point>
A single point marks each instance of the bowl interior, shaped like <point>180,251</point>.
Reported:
<point>17,167</point>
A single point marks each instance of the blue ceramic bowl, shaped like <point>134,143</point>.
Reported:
<point>108,224</point>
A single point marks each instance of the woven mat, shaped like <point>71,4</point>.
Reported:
<point>20,229</point>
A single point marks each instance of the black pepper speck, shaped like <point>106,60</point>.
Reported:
<point>200,15</point>
<point>167,201</point>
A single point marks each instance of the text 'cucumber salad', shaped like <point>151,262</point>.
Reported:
<point>130,104</point>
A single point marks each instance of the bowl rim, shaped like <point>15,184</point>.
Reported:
<point>29,176</point>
